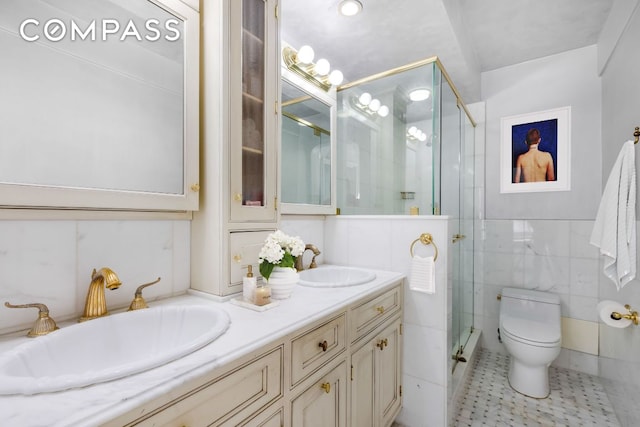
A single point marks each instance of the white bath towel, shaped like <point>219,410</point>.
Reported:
<point>614,230</point>
<point>423,277</point>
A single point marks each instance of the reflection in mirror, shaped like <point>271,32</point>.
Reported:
<point>306,147</point>
<point>93,95</point>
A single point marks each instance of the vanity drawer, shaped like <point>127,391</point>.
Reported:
<point>316,347</point>
<point>227,399</point>
<point>367,316</point>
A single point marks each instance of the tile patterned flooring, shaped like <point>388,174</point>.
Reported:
<point>576,399</point>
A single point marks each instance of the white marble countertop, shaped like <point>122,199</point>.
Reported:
<point>249,330</point>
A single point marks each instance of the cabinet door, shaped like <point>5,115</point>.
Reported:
<point>362,386</point>
<point>375,379</point>
<point>388,374</point>
<point>253,113</point>
<point>324,403</point>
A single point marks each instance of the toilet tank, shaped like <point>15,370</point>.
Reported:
<point>527,304</point>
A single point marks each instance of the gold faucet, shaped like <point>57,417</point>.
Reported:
<point>96,304</point>
<point>138,301</point>
<point>43,325</point>
<point>315,251</point>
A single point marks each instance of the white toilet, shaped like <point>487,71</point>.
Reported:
<point>530,331</point>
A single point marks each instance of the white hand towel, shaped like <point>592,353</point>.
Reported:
<point>423,278</point>
<point>614,230</point>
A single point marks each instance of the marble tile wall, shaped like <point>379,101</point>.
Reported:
<point>549,255</point>
<point>51,262</point>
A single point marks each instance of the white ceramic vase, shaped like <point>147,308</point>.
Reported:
<point>282,281</point>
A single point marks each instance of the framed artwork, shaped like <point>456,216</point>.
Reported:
<point>535,151</point>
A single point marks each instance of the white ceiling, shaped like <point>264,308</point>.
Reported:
<point>469,36</point>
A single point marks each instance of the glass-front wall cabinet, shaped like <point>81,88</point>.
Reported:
<point>252,191</point>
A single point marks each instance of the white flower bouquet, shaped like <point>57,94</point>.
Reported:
<point>279,250</point>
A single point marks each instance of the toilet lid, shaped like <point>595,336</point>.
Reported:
<point>531,331</point>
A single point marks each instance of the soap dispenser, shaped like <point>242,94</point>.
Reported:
<point>249,286</point>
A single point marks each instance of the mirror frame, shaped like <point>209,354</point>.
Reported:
<point>22,196</point>
<point>328,98</point>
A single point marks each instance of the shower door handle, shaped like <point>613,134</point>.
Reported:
<point>457,237</point>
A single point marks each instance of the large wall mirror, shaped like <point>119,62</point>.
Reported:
<point>99,104</point>
<point>307,171</point>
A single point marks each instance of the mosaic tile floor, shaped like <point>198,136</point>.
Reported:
<point>576,399</point>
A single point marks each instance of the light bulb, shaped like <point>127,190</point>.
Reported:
<point>383,111</point>
<point>365,99</point>
<point>412,130</point>
<point>306,54</point>
<point>350,7</point>
<point>322,67</point>
<point>374,105</point>
<point>422,137</point>
<point>419,94</point>
<point>336,77</point>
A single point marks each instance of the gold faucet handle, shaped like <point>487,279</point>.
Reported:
<point>139,302</point>
<point>43,325</point>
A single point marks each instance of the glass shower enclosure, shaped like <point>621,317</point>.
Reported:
<point>406,146</point>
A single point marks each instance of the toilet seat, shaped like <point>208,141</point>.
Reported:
<point>530,332</point>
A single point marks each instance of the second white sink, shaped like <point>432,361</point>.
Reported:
<point>335,276</point>
<point>108,348</point>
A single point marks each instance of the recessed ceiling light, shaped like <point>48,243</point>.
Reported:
<point>419,94</point>
<point>349,7</point>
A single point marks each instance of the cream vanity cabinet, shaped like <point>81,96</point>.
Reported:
<point>342,370</point>
<point>376,360</point>
<point>240,78</point>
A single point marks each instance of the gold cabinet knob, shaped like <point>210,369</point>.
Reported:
<point>380,309</point>
<point>382,344</point>
<point>326,387</point>
<point>323,345</point>
<point>237,258</point>
<point>195,187</point>
<point>237,197</point>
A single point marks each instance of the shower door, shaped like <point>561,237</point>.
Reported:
<point>456,197</point>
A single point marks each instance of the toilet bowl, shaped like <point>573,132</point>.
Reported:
<point>530,331</point>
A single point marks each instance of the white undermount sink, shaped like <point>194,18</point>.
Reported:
<point>334,277</point>
<point>108,348</point>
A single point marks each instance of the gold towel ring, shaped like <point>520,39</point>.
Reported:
<point>425,239</point>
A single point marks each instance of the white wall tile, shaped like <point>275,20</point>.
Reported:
<point>138,252</point>
<point>424,353</point>
<point>424,404</point>
<point>37,264</point>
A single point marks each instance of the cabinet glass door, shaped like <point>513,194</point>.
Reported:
<point>253,102</point>
<point>252,170</point>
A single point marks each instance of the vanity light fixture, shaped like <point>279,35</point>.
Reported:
<point>415,134</point>
<point>369,105</point>
<point>301,62</point>
<point>419,94</point>
<point>349,7</point>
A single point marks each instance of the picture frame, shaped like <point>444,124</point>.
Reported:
<point>533,161</point>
